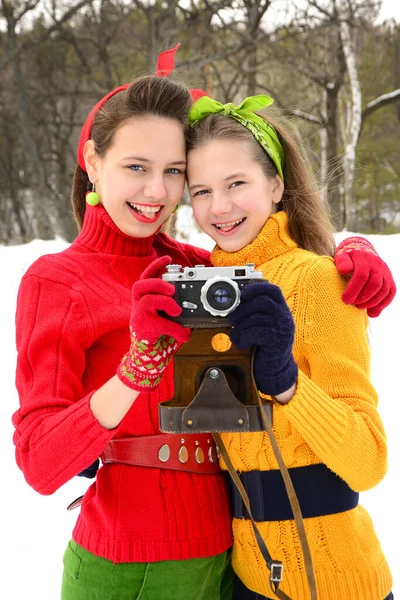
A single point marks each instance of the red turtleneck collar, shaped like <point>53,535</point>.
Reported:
<point>100,234</point>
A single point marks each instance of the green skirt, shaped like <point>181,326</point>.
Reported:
<point>89,577</point>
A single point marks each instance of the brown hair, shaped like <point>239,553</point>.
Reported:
<point>309,222</point>
<point>148,95</point>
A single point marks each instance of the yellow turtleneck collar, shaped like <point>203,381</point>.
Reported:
<point>273,240</point>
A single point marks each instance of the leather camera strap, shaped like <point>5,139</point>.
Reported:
<point>274,566</point>
<point>294,503</point>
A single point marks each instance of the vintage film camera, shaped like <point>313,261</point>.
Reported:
<point>214,387</point>
<point>208,294</point>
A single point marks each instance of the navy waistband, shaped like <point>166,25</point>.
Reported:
<point>319,491</point>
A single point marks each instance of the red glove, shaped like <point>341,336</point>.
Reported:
<point>371,284</point>
<point>154,339</point>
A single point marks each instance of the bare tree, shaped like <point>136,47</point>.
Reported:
<point>13,15</point>
<point>326,33</point>
<point>40,206</point>
<point>353,123</point>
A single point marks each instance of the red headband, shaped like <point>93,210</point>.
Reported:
<point>87,126</point>
<point>165,66</point>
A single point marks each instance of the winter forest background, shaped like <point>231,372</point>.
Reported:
<point>333,67</point>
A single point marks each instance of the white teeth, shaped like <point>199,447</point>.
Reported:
<point>231,224</point>
<point>145,209</point>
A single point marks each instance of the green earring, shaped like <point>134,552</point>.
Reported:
<point>92,197</point>
<point>175,209</point>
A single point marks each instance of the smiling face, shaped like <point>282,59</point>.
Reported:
<point>141,177</point>
<point>231,196</point>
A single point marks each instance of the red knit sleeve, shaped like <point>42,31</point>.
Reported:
<point>56,435</point>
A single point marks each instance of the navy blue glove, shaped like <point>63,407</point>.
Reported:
<point>91,471</point>
<point>263,319</point>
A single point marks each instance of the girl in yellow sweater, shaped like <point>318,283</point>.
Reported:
<point>252,192</point>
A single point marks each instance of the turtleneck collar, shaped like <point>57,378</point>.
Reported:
<point>273,240</point>
<point>100,234</point>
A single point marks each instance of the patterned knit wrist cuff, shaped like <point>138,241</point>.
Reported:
<point>136,381</point>
<point>143,366</point>
<point>355,243</point>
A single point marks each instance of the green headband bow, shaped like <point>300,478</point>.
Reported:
<point>264,133</point>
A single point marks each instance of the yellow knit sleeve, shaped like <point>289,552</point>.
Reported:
<point>335,408</point>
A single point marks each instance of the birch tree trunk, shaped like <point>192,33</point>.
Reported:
<point>353,125</point>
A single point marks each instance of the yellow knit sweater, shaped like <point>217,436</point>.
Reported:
<point>332,418</point>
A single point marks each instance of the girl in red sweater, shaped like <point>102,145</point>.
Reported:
<point>95,359</point>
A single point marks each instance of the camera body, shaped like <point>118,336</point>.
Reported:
<point>208,294</point>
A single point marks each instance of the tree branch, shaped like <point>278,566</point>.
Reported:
<point>383,100</point>
<point>19,48</point>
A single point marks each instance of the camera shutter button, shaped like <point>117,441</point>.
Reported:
<point>173,268</point>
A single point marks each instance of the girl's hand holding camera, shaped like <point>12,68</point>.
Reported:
<point>263,319</point>
<point>154,339</point>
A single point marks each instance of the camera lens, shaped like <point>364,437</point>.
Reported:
<point>220,295</point>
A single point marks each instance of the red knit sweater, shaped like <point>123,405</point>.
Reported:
<point>72,330</point>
